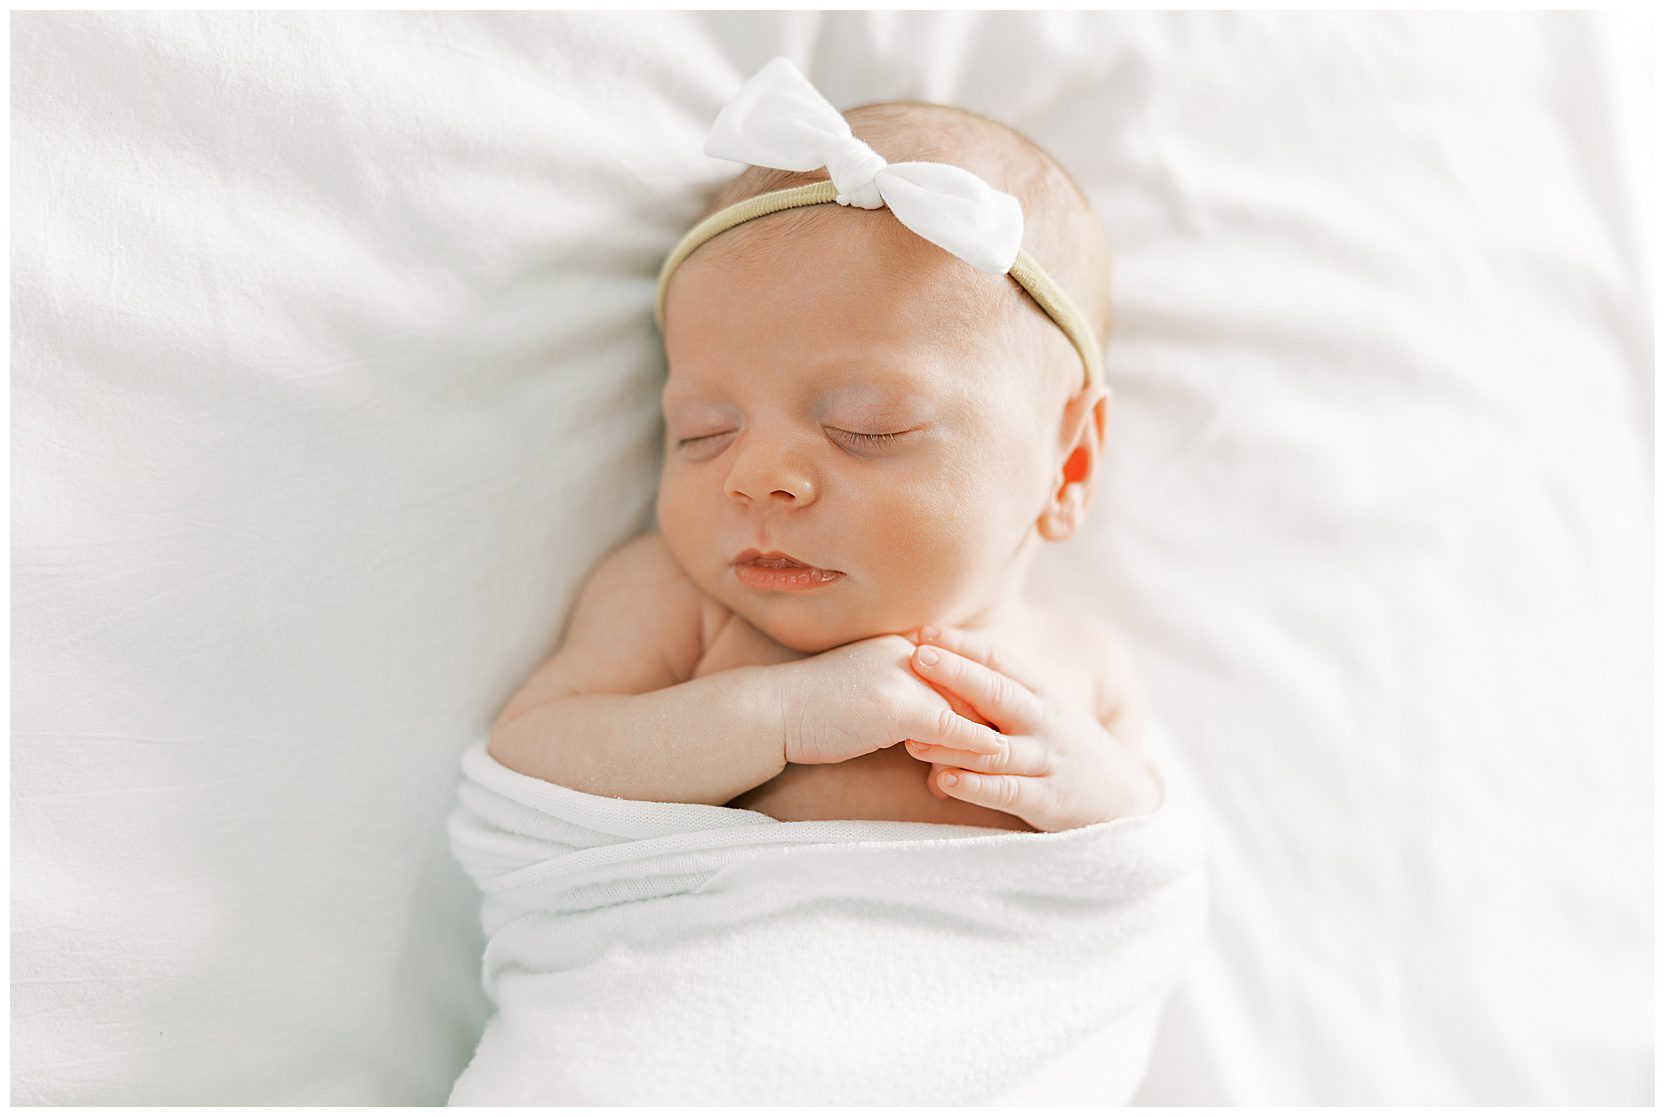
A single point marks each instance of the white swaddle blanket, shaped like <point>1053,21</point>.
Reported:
<point>673,953</point>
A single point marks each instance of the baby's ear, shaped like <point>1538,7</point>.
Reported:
<point>1101,410</point>
<point>1081,442</point>
<point>1096,403</point>
<point>1085,416</point>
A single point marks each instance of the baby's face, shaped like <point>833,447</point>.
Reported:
<point>783,363</point>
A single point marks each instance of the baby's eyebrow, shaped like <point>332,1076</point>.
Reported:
<point>878,388</point>
<point>893,384</point>
<point>891,370</point>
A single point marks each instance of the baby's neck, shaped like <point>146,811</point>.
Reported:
<point>1007,616</point>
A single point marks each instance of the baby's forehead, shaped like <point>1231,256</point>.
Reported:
<point>835,268</point>
<point>858,295</point>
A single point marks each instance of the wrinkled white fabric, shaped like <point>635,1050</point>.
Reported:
<point>686,954</point>
<point>778,119</point>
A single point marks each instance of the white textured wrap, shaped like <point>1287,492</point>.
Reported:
<point>683,954</point>
<point>778,119</point>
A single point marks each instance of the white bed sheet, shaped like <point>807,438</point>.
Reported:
<point>334,373</point>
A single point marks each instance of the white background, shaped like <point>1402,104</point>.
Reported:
<point>334,374</point>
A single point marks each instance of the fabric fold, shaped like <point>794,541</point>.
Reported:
<point>687,954</point>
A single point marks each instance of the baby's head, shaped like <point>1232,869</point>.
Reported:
<point>791,337</point>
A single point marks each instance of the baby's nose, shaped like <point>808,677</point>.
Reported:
<point>785,488</point>
<point>771,468</point>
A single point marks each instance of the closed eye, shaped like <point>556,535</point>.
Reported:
<point>701,438</point>
<point>869,439</point>
<point>872,439</point>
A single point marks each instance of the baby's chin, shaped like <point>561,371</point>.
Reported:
<point>810,627</point>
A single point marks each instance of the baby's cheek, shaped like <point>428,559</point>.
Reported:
<point>929,525</point>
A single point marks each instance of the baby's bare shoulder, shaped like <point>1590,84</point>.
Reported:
<point>1075,635</point>
<point>1104,652</point>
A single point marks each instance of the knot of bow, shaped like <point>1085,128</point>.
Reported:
<point>778,119</point>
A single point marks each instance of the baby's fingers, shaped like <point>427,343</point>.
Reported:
<point>996,658</point>
<point>960,705</point>
<point>944,727</point>
<point>998,699</point>
<point>1019,757</point>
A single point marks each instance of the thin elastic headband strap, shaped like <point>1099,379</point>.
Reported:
<point>1028,274</point>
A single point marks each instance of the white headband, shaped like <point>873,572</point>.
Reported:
<point>779,120</point>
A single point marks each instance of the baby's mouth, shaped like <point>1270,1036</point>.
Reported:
<point>776,560</point>
<point>778,570</point>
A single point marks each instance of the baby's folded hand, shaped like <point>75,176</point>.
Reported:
<point>959,705</point>
<point>1057,768</point>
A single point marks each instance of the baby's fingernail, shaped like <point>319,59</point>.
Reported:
<point>928,633</point>
<point>949,781</point>
<point>927,656</point>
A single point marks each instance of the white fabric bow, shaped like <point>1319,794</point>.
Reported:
<point>779,120</point>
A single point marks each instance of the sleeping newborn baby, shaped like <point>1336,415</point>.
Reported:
<point>873,424</point>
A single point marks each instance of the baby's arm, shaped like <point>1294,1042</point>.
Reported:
<point>610,712</point>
